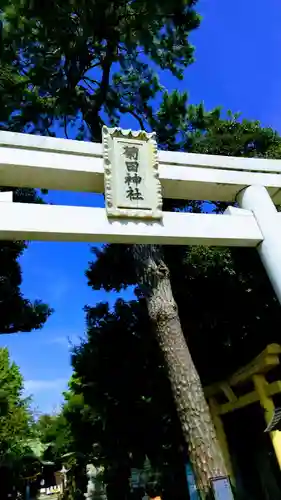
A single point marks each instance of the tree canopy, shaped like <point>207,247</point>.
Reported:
<point>18,314</point>
<point>15,417</point>
<point>20,445</point>
<point>81,61</point>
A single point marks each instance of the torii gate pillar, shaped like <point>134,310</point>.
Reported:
<point>258,201</point>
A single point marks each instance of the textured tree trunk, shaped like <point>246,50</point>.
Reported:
<point>198,429</point>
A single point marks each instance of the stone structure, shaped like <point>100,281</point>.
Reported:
<point>131,176</point>
<point>95,488</point>
<point>134,177</point>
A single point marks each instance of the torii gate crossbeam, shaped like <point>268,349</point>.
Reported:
<point>35,161</point>
<point>40,162</point>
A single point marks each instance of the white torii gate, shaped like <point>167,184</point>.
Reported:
<point>61,164</point>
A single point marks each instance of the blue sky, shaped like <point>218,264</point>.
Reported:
<point>238,66</point>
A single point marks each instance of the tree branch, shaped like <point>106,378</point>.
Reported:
<point>91,116</point>
<point>93,66</point>
<point>104,84</point>
<point>65,127</point>
<point>131,112</point>
<point>88,82</point>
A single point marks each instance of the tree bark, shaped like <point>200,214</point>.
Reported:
<point>193,411</point>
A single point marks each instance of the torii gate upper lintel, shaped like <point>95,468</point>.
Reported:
<point>134,177</point>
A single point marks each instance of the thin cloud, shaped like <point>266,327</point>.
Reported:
<point>45,385</point>
<point>63,340</point>
<point>59,289</point>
